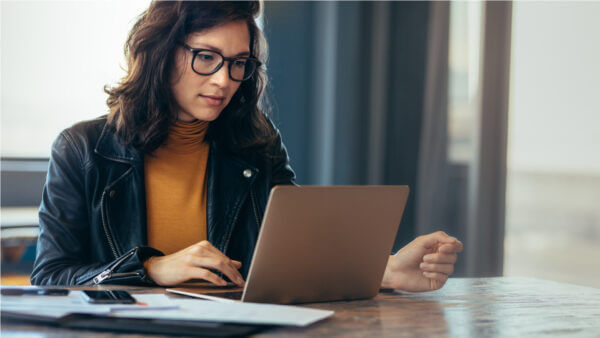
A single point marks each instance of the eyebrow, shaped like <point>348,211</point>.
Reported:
<point>207,46</point>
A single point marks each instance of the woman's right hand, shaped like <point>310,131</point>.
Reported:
<point>194,261</point>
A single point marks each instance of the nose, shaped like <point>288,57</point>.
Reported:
<point>221,77</point>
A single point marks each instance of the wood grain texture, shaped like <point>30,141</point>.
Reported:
<point>465,307</point>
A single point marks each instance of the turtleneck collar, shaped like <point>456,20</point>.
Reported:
<point>186,137</point>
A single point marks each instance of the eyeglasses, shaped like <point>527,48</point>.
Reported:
<point>208,62</point>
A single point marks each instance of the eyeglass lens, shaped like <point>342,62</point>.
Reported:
<point>208,62</point>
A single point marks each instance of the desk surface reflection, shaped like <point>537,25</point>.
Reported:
<point>465,307</point>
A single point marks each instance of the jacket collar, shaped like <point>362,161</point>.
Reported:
<point>110,147</point>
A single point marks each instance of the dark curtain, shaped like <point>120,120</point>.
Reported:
<point>347,82</point>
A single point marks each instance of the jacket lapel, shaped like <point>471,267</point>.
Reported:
<point>228,185</point>
<point>123,200</point>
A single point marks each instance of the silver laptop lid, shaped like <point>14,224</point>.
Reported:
<point>321,243</point>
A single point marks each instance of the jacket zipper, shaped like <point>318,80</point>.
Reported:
<point>226,242</point>
<point>255,210</point>
<point>108,272</point>
<point>105,226</point>
<point>104,214</point>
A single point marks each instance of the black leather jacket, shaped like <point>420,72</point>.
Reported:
<point>93,211</point>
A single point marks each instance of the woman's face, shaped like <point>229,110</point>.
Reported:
<point>203,97</point>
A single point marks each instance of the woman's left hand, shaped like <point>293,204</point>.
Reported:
<point>422,265</point>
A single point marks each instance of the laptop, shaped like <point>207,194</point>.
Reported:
<point>320,244</point>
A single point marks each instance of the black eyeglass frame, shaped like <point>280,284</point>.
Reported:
<point>196,51</point>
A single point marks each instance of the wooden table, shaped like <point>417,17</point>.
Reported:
<point>465,307</point>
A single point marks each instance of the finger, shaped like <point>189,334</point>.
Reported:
<point>435,275</point>
<point>446,269</point>
<point>222,265</point>
<point>204,254</point>
<point>440,258</point>
<point>437,283</point>
<point>226,267</point>
<point>205,274</point>
<point>436,238</point>
<point>450,248</point>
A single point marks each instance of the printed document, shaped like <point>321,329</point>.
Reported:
<point>230,312</point>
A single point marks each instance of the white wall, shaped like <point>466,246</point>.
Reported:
<point>555,89</point>
<point>56,58</point>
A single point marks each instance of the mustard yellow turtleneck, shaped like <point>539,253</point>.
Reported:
<point>175,176</point>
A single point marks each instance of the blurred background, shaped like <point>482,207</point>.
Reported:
<point>489,111</point>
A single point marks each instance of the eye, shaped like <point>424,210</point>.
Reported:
<point>239,63</point>
<point>205,57</point>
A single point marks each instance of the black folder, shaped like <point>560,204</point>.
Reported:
<point>137,325</point>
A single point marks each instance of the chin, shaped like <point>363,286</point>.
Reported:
<point>205,115</point>
<point>209,117</point>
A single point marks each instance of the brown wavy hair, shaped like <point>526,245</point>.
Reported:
<point>142,105</point>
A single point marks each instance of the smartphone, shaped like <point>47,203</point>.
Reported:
<point>108,297</point>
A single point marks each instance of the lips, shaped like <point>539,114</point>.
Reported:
<point>213,100</point>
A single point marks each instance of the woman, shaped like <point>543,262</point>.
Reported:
<point>171,185</point>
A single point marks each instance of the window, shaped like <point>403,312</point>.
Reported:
<point>56,58</point>
<point>553,186</point>
<point>463,78</point>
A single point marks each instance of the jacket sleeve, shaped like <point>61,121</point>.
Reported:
<point>62,257</point>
